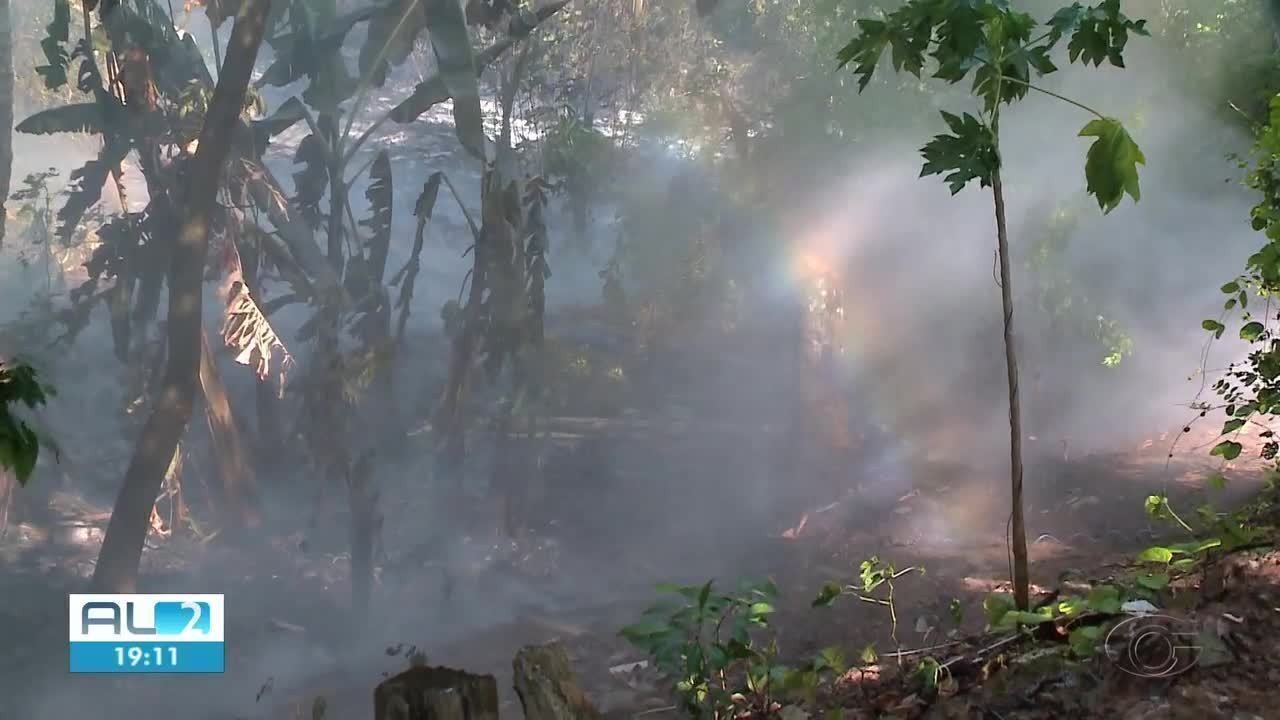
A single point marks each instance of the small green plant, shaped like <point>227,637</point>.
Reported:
<point>875,586</point>
<point>704,640</point>
<point>930,672</point>
<point>1068,613</point>
<point>720,650</point>
<point>1210,531</point>
<point>19,443</point>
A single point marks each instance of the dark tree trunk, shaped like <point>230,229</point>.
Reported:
<point>117,567</point>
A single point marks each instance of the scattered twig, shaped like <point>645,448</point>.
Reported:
<point>984,651</point>
<point>920,651</point>
<point>654,711</point>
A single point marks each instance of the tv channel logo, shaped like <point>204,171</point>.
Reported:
<point>147,633</point>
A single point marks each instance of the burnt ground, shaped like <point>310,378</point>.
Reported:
<point>291,638</point>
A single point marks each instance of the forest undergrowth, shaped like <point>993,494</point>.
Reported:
<point>396,432</point>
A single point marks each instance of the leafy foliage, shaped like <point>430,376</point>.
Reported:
<point>19,443</point>
<point>1250,389</point>
<point>997,46</point>
<point>719,649</point>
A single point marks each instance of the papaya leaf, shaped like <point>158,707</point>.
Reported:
<point>19,443</point>
<point>968,154</point>
<point>1098,34</point>
<point>1111,165</point>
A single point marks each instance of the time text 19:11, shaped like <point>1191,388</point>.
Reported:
<point>136,655</point>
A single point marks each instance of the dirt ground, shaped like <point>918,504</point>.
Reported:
<point>291,640</point>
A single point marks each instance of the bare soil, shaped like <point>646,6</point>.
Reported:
<point>291,638</point>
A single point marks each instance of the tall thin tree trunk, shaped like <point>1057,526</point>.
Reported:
<point>6,110</point>
<point>1021,581</point>
<point>8,492</point>
<point>118,561</point>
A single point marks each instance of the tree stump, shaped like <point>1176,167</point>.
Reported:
<point>547,687</point>
<point>436,693</point>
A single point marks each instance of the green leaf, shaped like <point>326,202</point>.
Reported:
<point>704,593</point>
<point>1156,554</point>
<point>1071,606</point>
<point>956,610</point>
<point>864,50</point>
<point>1214,327</point>
<point>996,606</point>
<point>640,632</point>
<point>1231,288</point>
<point>1232,425</point>
<point>827,595</point>
<point>1227,449</point>
<point>717,658</point>
<point>1197,547</point>
<point>1084,640</point>
<point>1098,34</point>
<point>1104,599</point>
<point>831,658</point>
<point>1251,331</point>
<point>967,154</point>
<point>1218,481</point>
<point>1154,505</point>
<point>19,444</point>
<point>1111,165</point>
<point>868,655</point>
<point>1156,581</point>
<point>1014,618</point>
